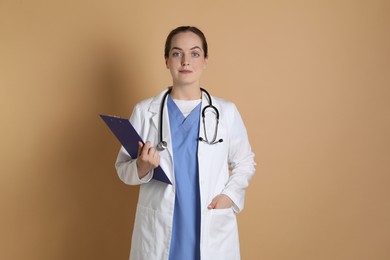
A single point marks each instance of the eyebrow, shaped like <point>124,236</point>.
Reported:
<point>180,49</point>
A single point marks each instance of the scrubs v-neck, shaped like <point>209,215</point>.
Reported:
<point>186,218</point>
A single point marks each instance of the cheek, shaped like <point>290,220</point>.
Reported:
<point>169,64</point>
<point>172,63</point>
<point>201,65</point>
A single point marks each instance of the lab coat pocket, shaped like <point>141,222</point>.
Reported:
<point>144,235</point>
<point>223,236</point>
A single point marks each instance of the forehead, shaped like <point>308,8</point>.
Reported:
<point>186,40</point>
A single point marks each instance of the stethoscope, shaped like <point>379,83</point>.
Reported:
<point>162,145</point>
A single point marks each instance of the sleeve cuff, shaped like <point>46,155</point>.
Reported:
<point>234,206</point>
<point>147,178</point>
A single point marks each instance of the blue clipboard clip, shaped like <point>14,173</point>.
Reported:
<point>128,137</point>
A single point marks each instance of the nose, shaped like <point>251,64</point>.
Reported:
<point>184,61</point>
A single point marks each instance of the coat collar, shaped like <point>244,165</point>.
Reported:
<point>155,105</point>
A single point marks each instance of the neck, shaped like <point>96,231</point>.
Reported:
<point>186,92</point>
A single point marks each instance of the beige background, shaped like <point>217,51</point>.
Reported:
<point>311,80</point>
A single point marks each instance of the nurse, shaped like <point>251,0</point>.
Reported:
<point>195,217</point>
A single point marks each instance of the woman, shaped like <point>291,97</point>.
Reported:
<point>195,217</point>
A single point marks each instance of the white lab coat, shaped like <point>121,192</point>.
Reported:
<point>153,222</point>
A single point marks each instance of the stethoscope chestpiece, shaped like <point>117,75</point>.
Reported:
<point>161,146</point>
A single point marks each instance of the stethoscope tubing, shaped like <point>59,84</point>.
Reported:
<point>162,145</point>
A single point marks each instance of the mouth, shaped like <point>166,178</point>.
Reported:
<point>185,71</point>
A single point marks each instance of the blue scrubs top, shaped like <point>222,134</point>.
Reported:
<point>185,243</point>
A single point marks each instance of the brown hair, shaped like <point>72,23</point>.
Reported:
<point>185,29</point>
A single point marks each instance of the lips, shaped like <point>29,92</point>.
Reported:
<point>185,71</point>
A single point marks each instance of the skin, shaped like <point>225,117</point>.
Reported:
<point>186,63</point>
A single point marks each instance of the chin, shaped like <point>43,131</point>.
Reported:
<point>185,83</point>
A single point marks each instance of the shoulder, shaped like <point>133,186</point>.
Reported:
<point>224,104</point>
<point>228,112</point>
<point>150,104</point>
<point>144,104</point>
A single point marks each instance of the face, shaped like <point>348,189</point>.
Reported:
<point>186,60</point>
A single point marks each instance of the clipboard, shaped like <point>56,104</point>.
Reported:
<point>128,137</point>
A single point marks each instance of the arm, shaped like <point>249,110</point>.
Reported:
<point>241,160</point>
<point>137,171</point>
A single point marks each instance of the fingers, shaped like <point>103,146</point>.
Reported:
<point>212,204</point>
<point>148,156</point>
<point>221,201</point>
<point>140,145</point>
<point>148,159</point>
<point>145,148</point>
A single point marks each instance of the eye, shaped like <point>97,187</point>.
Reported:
<point>176,54</point>
<point>195,54</point>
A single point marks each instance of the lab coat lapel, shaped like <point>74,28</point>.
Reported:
<point>155,108</point>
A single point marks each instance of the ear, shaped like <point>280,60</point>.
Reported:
<point>166,63</point>
<point>205,63</point>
